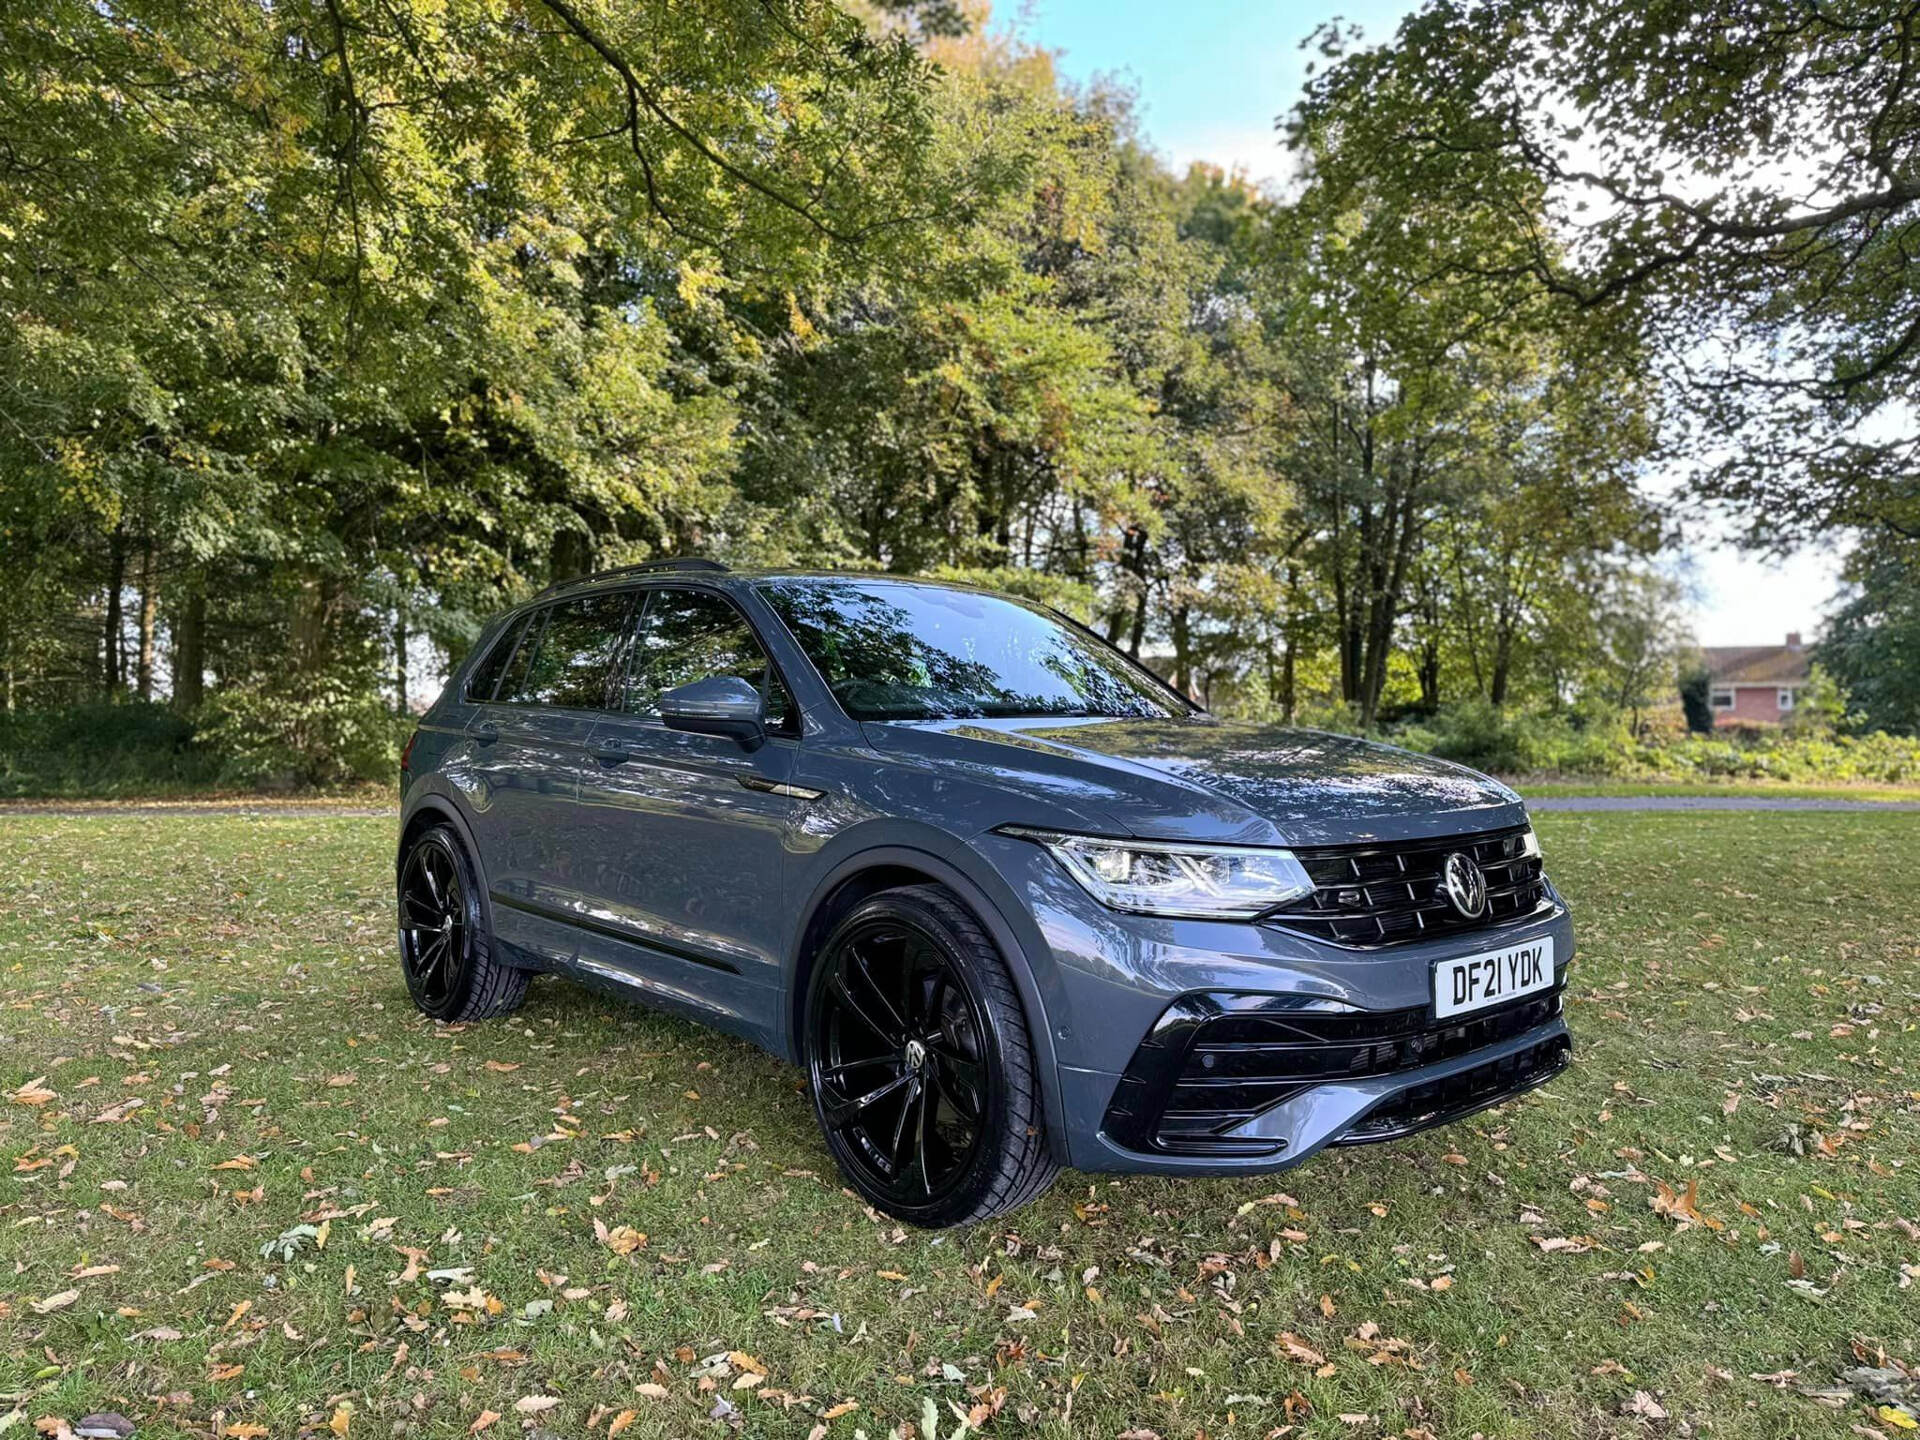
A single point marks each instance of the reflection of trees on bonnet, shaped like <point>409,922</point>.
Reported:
<point>893,651</point>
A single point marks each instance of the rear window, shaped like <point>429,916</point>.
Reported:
<point>566,654</point>
<point>486,675</point>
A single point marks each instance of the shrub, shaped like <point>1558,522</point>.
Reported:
<point>1598,744</point>
<point>322,730</point>
<point>101,748</point>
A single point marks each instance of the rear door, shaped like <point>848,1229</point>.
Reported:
<point>529,748</point>
<point>686,833</point>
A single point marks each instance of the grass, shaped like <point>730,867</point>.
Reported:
<point>473,1199</point>
<point>1555,788</point>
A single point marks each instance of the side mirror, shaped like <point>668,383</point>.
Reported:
<point>717,705</point>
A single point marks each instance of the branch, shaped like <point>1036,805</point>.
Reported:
<point>640,97</point>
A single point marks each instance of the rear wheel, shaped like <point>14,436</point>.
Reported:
<point>922,1071</point>
<point>446,950</point>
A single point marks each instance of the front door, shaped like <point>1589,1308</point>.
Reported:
<point>685,834</point>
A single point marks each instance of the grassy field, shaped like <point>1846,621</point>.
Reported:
<point>245,1191</point>
<point>1541,789</point>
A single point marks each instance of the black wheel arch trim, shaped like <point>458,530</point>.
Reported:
<point>992,915</point>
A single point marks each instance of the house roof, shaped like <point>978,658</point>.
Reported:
<point>1757,664</point>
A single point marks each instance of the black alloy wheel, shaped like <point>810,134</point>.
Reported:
<point>912,1017</point>
<point>435,931</point>
<point>446,952</point>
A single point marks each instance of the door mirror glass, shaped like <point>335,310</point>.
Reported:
<point>717,705</point>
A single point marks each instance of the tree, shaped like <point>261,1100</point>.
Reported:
<point>1731,185</point>
<point>1872,642</point>
<point>1696,696</point>
<point>333,320</point>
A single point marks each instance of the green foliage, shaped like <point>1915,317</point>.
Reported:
<point>376,314</point>
<point>1872,643</point>
<point>1727,187</point>
<point>1601,744</point>
<point>326,732</point>
<point>102,748</point>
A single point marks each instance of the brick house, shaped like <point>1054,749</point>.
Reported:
<point>1756,684</point>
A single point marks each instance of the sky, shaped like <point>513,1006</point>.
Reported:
<point>1212,77</point>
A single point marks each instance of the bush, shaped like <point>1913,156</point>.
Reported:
<point>124,748</point>
<point>1599,745</point>
<point>321,731</point>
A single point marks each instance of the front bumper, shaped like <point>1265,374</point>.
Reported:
<point>1324,1045</point>
<point>1324,1092</point>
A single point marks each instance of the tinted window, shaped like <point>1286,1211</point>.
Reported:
<point>487,673</point>
<point>514,677</point>
<point>893,650</point>
<point>569,666</point>
<point>688,635</point>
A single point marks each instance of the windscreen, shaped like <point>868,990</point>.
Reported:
<point>895,650</point>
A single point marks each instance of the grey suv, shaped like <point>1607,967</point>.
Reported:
<point>1012,901</point>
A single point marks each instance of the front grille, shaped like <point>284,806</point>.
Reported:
<point>1438,1102</point>
<point>1214,1061</point>
<point>1367,895</point>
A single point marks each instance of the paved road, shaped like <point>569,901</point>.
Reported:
<point>284,808</point>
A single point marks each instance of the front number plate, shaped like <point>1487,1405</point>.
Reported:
<point>1473,982</point>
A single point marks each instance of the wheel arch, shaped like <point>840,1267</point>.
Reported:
<point>435,807</point>
<point>893,867</point>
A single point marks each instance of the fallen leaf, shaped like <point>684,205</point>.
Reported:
<point>1297,1349</point>
<point>55,1302</point>
<point>1644,1405</point>
<point>535,1404</point>
<point>33,1092</point>
<point>487,1417</point>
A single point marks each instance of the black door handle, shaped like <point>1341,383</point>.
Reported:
<point>612,752</point>
<point>486,732</point>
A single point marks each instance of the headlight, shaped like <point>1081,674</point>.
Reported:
<point>1153,877</point>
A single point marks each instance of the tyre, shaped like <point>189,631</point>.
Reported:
<point>446,950</point>
<point>921,1068</point>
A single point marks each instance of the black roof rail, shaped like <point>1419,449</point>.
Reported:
<point>687,563</point>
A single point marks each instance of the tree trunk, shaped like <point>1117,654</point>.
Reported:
<point>190,651</point>
<point>400,661</point>
<point>1502,670</point>
<point>1430,677</point>
<point>116,580</point>
<point>1289,637</point>
<point>1178,627</point>
<point>149,613</point>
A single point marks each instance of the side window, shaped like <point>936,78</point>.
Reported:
<point>486,674</point>
<point>570,667</point>
<point>514,678</point>
<point>688,635</point>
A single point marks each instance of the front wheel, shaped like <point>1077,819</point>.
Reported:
<point>446,950</point>
<point>922,1072</point>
